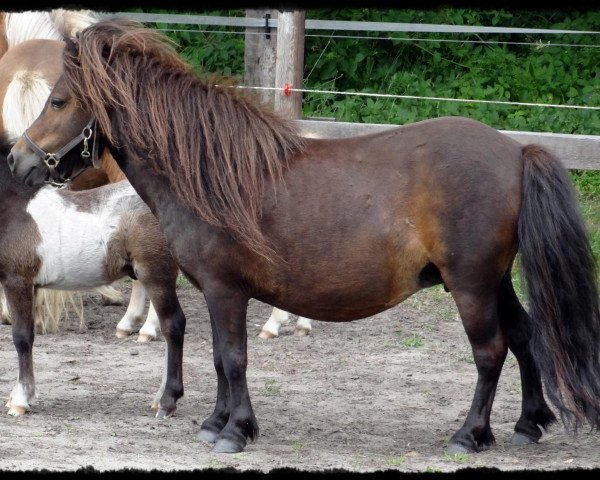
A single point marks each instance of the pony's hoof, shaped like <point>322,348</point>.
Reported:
<point>521,439</point>
<point>5,320</point>
<point>16,410</point>
<point>224,445</point>
<point>163,413</point>
<point>301,332</point>
<point>266,335</point>
<point>122,333</point>
<point>207,436</point>
<point>145,338</point>
<point>454,448</point>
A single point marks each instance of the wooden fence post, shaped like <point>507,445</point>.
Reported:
<point>290,62</point>
<point>259,56</point>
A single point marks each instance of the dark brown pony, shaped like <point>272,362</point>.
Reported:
<point>338,229</point>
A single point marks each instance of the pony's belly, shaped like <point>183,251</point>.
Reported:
<point>71,264</point>
<point>72,251</point>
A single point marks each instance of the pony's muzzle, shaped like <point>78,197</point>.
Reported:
<point>11,162</point>
<point>26,167</point>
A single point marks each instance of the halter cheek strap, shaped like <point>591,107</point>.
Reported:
<point>52,159</point>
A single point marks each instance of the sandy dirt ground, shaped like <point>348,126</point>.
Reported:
<point>376,394</point>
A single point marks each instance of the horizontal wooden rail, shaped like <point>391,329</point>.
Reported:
<point>575,151</point>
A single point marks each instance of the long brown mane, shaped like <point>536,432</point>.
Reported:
<point>217,148</point>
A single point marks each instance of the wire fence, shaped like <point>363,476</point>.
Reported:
<point>336,26</point>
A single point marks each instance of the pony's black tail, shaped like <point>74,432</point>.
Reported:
<point>560,273</point>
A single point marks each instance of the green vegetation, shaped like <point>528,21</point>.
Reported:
<point>396,461</point>
<point>413,341</point>
<point>458,457</point>
<point>272,388</point>
<point>297,446</point>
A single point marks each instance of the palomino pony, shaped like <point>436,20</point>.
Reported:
<point>66,240</point>
<point>337,229</point>
<point>28,71</point>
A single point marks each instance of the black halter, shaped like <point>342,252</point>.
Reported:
<point>51,160</point>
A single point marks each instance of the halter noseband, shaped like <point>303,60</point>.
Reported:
<point>51,160</point>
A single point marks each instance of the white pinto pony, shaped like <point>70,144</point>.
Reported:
<point>25,83</point>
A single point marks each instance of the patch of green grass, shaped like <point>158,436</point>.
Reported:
<point>297,446</point>
<point>214,463</point>
<point>467,356</point>
<point>431,469</point>
<point>438,293</point>
<point>396,461</point>
<point>272,388</point>
<point>183,282</point>
<point>458,457</point>
<point>414,341</point>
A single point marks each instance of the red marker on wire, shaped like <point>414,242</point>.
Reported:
<point>286,90</point>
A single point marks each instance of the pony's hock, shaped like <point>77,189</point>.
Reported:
<point>341,229</point>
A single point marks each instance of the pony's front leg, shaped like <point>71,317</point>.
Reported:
<point>135,310</point>
<point>227,309</point>
<point>19,296</point>
<point>172,324</point>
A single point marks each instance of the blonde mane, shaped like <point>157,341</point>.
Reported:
<point>57,24</point>
<point>24,100</point>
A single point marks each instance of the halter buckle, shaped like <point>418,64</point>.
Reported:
<point>51,161</point>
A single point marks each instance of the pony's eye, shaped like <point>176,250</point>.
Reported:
<point>57,103</point>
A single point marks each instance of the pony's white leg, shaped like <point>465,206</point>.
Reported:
<point>135,310</point>
<point>271,328</point>
<point>20,397</point>
<point>303,327</point>
<point>151,327</point>
<point>4,313</point>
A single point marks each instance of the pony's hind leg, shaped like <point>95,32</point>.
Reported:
<point>151,326</point>
<point>271,328</point>
<point>303,327</point>
<point>4,313</point>
<point>534,410</point>
<point>135,310</point>
<point>479,314</point>
<point>19,296</point>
